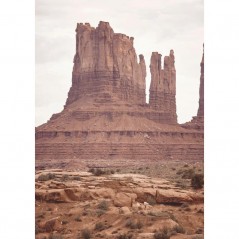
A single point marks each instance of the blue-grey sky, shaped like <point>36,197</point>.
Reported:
<point>156,25</point>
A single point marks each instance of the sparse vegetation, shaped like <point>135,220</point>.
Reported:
<point>65,177</point>
<point>85,234</point>
<point>77,178</point>
<point>99,226</point>
<point>64,222</point>
<point>197,181</point>
<point>125,236</point>
<point>134,224</point>
<point>46,177</point>
<point>188,173</point>
<point>151,200</point>
<point>179,229</point>
<point>55,236</point>
<point>164,234</point>
<point>100,212</point>
<point>78,219</point>
<point>103,205</point>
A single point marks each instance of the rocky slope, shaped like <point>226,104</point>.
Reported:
<point>71,203</point>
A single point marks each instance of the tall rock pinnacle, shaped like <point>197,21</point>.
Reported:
<point>201,90</point>
<point>105,63</point>
<point>163,84</point>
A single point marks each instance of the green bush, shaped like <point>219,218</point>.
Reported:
<point>197,181</point>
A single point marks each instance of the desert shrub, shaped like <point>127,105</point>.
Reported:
<point>179,229</point>
<point>64,222</point>
<point>112,171</point>
<point>151,200</point>
<point>197,181</point>
<point>184,205</point>
<point>77,178</point>
<point>55,236</point>
<point>134,224</point>
<point>65,177</point>
<point>199,231</point>
<point>85,234</point>
<point>78,219</point>
<point>118,170</point>
<point>162,234</point>
<point>97,171</point>
<point>46,177</point>
<point>103,205</point>
<point>125,236</point>
<point>100,212</point>
<point>99,226</point>
<point>188,173</point>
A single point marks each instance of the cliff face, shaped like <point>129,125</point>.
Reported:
<point>106,118</point>
<point>105,64</point>
<point>163,84</point>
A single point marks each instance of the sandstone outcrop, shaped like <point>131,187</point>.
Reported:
<point>163,84</point>
<point>106,64</point>
<point>106,118</point>
<point>116,214</point>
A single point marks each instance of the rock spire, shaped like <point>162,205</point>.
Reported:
<point>163,84</point>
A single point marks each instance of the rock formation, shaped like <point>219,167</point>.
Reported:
<point>106,118</point>
<point>201,90</point>
<point>197,122</point>
<point>163,84</point>
<point>105,64</point>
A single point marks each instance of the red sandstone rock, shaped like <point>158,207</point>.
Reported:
<point>105,63</point>
<point>163,84</point>
<point>106,118</point>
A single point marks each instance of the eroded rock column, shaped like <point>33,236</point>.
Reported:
<point>106,65</point>
<point>163,85</point>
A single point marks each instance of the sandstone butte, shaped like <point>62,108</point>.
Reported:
<point>106,120</point>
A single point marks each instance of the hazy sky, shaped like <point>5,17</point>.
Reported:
<point>156,25</point>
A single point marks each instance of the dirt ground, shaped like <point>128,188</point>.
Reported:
<point>120,202</point>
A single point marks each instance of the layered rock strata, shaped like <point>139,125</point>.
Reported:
<point>106,64</point>
<point>106,118</point>
<point>163,84</point>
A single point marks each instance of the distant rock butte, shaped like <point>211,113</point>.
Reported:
<point>106,115</point>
